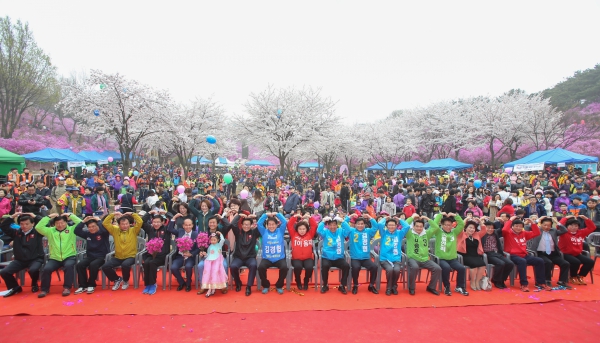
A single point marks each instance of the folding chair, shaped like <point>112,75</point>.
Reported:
<point>259,259</point>
<point>139,265</point>
<point>231,251</point>
<point>593,240</point>
<point>227,258</point>
<point>291,269</point>
<point>346,257</point>
<point>47,257</point>
<point>141,248</point>
<point>403,265</point>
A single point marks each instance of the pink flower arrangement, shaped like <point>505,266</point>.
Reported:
<point>202,240</point>
<point>184,243</point>
<point>154,246</point>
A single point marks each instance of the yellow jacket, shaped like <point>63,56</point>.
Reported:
<point>125,241</point>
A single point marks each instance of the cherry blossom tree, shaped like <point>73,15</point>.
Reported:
<point>282,121</point>
<point>111,106</point>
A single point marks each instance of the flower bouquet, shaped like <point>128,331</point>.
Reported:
<point>202,241</point>
<point>184,244</point>
<point>154,246</point>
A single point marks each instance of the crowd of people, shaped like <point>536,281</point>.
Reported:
<point>306,222</point>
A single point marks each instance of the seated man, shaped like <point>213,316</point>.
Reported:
<point>571,244</point>
<point>417,251</point>
<point>184,258</point>
<point>503,266</point>
<point>28,252</point>
<point>151,262</point>
<point>515,243</point>
<point>390,254</point>
<point>63,253</point>
<point>332,254</point>
<point>245,252</point>
<point>97,247</point>
<point>125,238</point>
<point>546,246</point>
<point>360,249</point>
<point>273,250</point>
<point>445,250</point>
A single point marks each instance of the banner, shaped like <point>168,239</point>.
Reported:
<point>75,164</point>
<point>102,162</point>
<point>518,168</point>
<point>585,166</point>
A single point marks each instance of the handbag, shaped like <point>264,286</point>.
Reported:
<point>486,285</point>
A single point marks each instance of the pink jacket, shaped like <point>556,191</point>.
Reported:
<point>5,206</point>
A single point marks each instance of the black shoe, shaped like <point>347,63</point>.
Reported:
<point>461,291</point>
<point>324,289</point>
<point>395,290</point>
<point>13,291</point>
<point>35,288</point>
<point>388,292</point>
<point>411,291</point>
<point>42,294</point>
<point>238,288</point>
<point>299,285</point>
<point>306,284</point>
<point>354,289</point>
<point>188,288</point>
<point>373,289</point>
<point>180,287</point>
<point>343,289</point>
<point>499,285</point>
<point>433,291</point>
<point>447,291</point>
<point>248,291</point>
<point>560,283</point>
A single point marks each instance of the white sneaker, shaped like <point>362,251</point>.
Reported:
<point>79,290</point>
<point>117,284</point>
<point>90,290</point>
<point>125,285</point>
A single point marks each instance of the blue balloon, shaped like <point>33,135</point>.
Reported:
<point>477,183</point>
<point>96,112</point>
<point>279,111</point>
<point>136,173</point>
<point>211,140</point>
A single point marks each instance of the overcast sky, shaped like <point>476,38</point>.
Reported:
<point>372,57</point>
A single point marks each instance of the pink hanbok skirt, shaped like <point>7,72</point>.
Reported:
<point>214,276</point>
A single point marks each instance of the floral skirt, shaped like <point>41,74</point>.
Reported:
<point>214,276</point>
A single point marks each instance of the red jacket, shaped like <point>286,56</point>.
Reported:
<point>506,209</point>
<point>516,244</point>
<point>572,243</point>
<point>302,246</point>
<point>409,210</point>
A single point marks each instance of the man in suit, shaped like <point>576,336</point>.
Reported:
<point>546,246</point>
<point>184,258</point>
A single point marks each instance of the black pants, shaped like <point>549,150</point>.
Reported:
<point>53,265</point>
<point>555,259</point>
<point>188,264</point>
<point>16,266</point>
<point>307,265</point>
<point>151,265</point>
<point>235,266</point>
<point>503,266</point>
<point>109,268</point>
<point>369,265</point>
<point>582,261</point>
<point>82,276</point>
<point>339,263</point>
<point>262,272</point>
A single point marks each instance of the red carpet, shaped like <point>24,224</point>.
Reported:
<point>565,321</point>
<point>131,301</point>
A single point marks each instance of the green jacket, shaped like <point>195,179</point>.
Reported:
<point>445,242</point>
<point>417,246</point>
<point>60,243</point>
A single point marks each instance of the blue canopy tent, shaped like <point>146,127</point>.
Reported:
<point>114,154</point>
<point>310,165</point>
<point>54,155</point>
<point>92,156</point>
<point>409,165</point>
<point>444,164</point>
<point>194,160</point>
<point>553,156</point>
<point>260,163</point>
<point>376,166</point>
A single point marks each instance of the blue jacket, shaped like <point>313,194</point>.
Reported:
<point>97,244</point>
<point>333,242</point>
<point>292,203</point>
<point>360,241</point>
<point>540,210</point>
<point>273,246</point>
<point>391,243</point>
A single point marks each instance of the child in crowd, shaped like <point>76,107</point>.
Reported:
<point>409,208</point>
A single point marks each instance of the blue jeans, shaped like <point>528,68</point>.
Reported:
<point>178,262</point>
<point>538,269</point>
<point>201,268</point>
<point>447,266</point>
